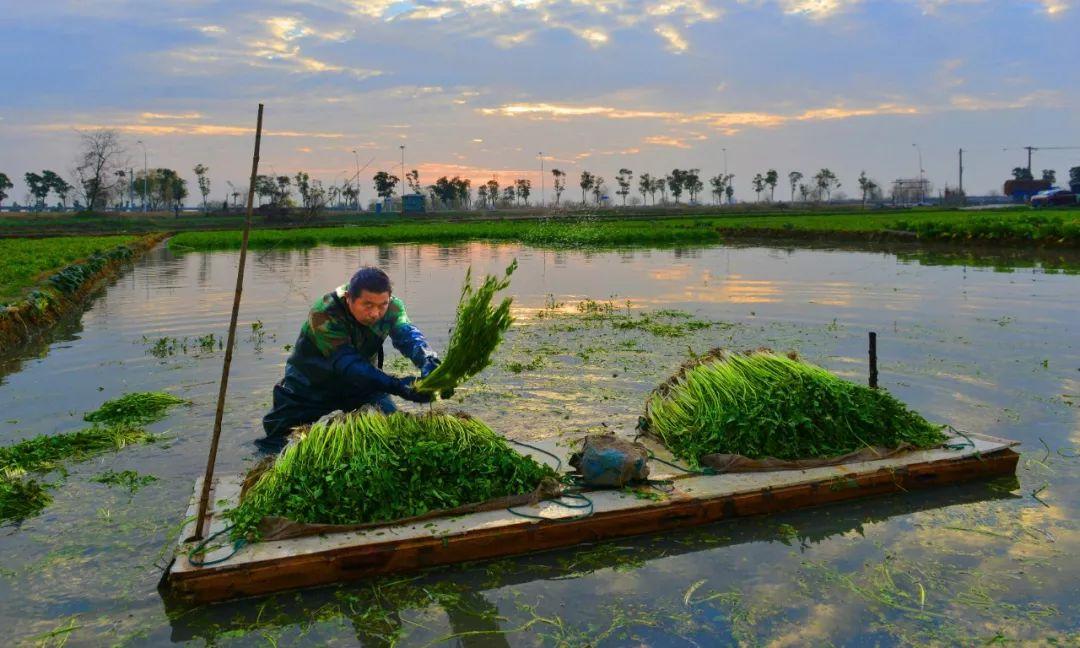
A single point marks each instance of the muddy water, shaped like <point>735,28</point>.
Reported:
<point>986,349</point>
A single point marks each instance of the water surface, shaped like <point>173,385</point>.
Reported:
<point>986,349</point>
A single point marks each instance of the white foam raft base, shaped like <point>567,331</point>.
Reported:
<point>273,566</point>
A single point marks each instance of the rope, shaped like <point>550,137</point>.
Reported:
<point>693,471</point>
<point>558,461</point>
<point>961,446</point>
<point>201,548</point>
<point>587,504</point>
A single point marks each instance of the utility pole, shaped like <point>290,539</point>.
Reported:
<point>356,156</point>
<point>961,172</point>
<point>541,156</point>
<point>144,174</point>
<point>402,179</point>
<point>1029,150</point>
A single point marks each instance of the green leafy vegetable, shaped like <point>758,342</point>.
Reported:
<point>478,331</point>
<point>373,467</point>
<point>766,405</point>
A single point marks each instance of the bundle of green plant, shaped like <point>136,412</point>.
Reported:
<point>138,408</point>
<point>761,404</point>
<point>45,452</point>
<point>479,329</point>
<point>20,498</point>
<point>372,467</point>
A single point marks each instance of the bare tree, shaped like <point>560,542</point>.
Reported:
<point>623,179</point>
<point>201,171</point>
<point>101,154</point>
<point>771,179</point>
<point>758,183</point>
<point>5,184</point>
<point>523,187</point>
<point>826,181</point>
<point>645,186</point>
<point>586,183</point>
<point>793,179</point>
<point>560,184</point>
<point>867,186</point>
<point>597,189</point>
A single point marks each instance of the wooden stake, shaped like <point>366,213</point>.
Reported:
<point>204,499</point>
<point>873,360</point>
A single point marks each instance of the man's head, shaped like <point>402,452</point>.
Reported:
<point>368,295</point>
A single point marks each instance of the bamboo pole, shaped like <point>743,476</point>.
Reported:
<point>873,361</point>
<point>204,499</point>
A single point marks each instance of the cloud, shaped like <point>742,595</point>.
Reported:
<point>184,129</point>
<point>816,9</point>
<point>275,42</point>
<point>512,40</point>
<point>1054,8</point>
<point>675,42</point>
<point>726,122</point>
<point>664,140</point>
<point>154,115</point>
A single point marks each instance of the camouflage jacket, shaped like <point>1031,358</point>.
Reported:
<point>335,355</point>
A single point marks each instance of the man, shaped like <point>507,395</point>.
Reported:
<point>337,361</point>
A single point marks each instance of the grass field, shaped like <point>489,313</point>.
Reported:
<point>26,261</point>
<point>1062,227</point>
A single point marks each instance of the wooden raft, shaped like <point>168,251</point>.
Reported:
<point>266,567</point>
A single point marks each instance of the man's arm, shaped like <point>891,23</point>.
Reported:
<point>408,339</point>
<point>332,340</point>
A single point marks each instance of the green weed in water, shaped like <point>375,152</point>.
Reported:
<point>372,467</point>
<point>767,405</point>
<point>129,479</point>
<point>479,329</point>
<point>138,408</point>
<point>117,423</point>
<point>45,452</point>
<point>21,498</point>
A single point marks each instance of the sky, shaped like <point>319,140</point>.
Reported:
<point>497,87</point>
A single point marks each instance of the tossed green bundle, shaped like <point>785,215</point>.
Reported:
<point>373,467</point>
<point>762,404</point>
<point>479,329</point>
<point>46,451</point>
<point>138,408</point>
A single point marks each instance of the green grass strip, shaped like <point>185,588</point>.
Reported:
<point>476,334</point>
<point>26,260</point>
<point>605,230</point>
<point>763,404</point>
<point>372,467</point>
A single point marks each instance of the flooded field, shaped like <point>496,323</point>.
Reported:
<point>990,349</point>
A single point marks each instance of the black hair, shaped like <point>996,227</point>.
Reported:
<point>371,279</point>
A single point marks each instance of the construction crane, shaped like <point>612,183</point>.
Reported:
<point>1029,149</point>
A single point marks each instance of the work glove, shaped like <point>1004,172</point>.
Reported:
<point>405,390</point>
<point>429,366</point>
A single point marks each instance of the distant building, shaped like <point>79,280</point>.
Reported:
<point>910,191</point>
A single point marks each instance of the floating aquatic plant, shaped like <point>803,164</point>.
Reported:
<point>479,329</point>
<point>373,467</point>
<point>116,424</point>
<point>138,408</point>
<point>762,404</point>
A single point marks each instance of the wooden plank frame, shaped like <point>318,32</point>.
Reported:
<point>275,566</point>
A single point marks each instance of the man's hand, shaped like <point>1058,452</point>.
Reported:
<point>406,391</point>
<point>429,366</point>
